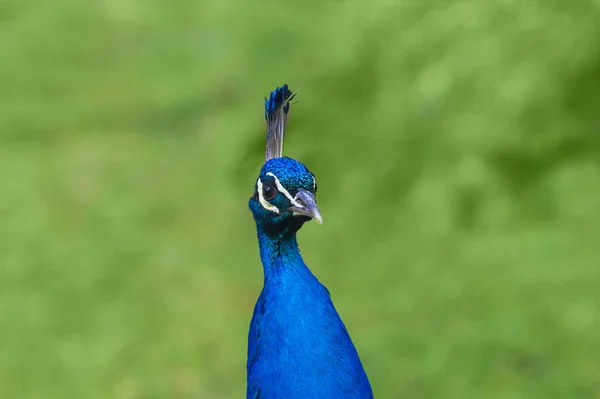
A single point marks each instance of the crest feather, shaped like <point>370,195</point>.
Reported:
<point>276,111</point>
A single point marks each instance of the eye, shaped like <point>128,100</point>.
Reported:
<point>269,192</point>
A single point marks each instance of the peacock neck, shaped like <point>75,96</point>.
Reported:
<point>278,253</point>
<point>298,347</point>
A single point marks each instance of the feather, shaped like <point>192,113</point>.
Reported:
<point>276,111</point>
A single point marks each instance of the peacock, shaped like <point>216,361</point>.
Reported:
<point>298,346</point>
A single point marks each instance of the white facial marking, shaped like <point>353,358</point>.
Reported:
<point>284,191</point>
<point>314,183</point>
<point>265,204</point>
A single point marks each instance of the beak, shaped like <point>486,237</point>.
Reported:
<point>307,206</point>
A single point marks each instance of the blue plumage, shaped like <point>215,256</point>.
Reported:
<point>298,347</point>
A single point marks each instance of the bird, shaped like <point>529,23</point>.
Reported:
<point>298,346</point>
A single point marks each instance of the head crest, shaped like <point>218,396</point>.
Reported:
<point>276,111</point>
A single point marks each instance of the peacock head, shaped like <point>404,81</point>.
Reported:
<point>284,194</point>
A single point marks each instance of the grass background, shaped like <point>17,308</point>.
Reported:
<point>456,144</point>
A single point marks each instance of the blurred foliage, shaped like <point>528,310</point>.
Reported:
<point>457,149</point>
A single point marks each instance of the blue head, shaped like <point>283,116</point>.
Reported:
<point>284,197</point>
<point>284,194</point>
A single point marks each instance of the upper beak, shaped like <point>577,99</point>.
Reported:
<point>307,206</point>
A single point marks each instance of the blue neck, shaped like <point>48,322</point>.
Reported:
<point>279,252</point>
<point>298,346</point>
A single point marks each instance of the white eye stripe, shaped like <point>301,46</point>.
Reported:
<point>265,204</point>
<point>314,183</point>
<point>284,191</point>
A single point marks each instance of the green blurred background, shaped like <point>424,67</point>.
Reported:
<point>457,149</point>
